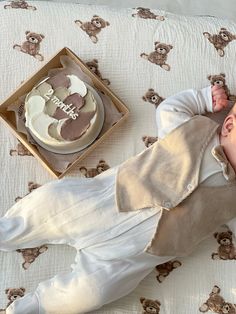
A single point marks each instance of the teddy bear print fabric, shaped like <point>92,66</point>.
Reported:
<point>12,295</point>
<point>220,40</point>
<point>93,27</point>
<point>144,56</point>
<point>31,45</point>
<point>19,4</point>
<point>217,304</point>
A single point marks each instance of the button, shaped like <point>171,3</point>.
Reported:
<point>189,187</point>
<point>166,205</point>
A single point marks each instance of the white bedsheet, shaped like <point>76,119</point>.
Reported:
<point>191,59</point>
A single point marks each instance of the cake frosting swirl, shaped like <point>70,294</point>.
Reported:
<point>63,114</point>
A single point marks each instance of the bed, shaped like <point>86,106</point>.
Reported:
<point>195,51</point>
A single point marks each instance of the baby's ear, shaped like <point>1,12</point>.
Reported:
<point>228,124</point>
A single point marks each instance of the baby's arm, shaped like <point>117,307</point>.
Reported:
<point>181,107</point>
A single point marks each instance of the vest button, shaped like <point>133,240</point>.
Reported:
<point>167,205</point>
<point>189,187</point>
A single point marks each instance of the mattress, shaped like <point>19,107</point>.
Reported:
<point>120,53</point>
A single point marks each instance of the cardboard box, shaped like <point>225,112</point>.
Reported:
<point>8,117</point>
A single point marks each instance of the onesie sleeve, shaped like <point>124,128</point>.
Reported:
<point>177,109</point>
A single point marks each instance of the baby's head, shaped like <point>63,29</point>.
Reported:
<point>228,136</point>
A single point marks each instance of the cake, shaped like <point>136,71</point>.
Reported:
<point>63,114</point>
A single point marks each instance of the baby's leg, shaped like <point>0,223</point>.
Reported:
<point>93,283</point>
<point>50,214</point>
<point>28,223</point>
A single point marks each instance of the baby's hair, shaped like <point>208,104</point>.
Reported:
<point>232,110</point>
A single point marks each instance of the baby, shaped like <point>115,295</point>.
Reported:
<point>116,220</point>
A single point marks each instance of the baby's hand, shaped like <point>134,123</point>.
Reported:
<point>219,98</point>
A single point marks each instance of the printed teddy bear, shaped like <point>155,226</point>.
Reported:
<point>30,254</point>
<point>159,56</point>
<point>146,13</point>
<point>150,306</point>
<point>229,308</point>
<point>31,186</point>
<point>220,80</point>
<point>92,172</point>
<point>214,303</point>
<point>93,27</point>
<point>221,40</point>
<point>20,150</point>
<point>12,295</point>
<point>217,304</point>
<point>32,45</point>
<point>19,4</point>
<point>93,65</point>
<point>226,250</point>
<point>149,140</point>
<point>165,268</point>
<point>153,97</point>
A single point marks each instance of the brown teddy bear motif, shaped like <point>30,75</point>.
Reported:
<point>32,45</point>
<point>30,254</point>
<point>159,56</point>
<point>93,65</point>
<point>150,306</point>
<point>92,172</point>
<point>220,81</point>
<point>229,308</point>
<point>221,40</point>
<point>217,304</point>
<point>93,27</point>
<point>146,13</point>
<point>12,295</point>
<point>31,186</point>
<point>165,268</point>
<point>153,97</point>
<point>20,150</point>
<point>149,140</point>
<point>19,4</point>
<point>226,250</point>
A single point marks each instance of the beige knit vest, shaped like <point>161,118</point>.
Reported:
<point>166,175</point>
<point>197,217</point>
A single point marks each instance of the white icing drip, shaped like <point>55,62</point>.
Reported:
<point>77,86</point>
<point>34,106</point>
<point>39,125</point>
<point>55,129</point>
<point>36,119</point>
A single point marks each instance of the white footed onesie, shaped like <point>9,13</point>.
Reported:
<point>81,212</point>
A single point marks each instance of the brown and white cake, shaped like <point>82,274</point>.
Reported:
<point>64,114</point>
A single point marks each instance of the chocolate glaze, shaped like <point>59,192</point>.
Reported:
<point>76,100</point>
<point>59,80</point>
<point>73,129</point>
<point>61,93</point>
